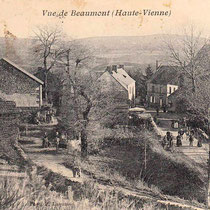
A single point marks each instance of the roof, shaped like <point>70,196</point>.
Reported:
<point>166,75</point>
<point>22,70</point>
<point>122,77</point>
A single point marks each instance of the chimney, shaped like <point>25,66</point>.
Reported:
<point>156,67</point>
<point>114,68</point>
<point>121,66</point>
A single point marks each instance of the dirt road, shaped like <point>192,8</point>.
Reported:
<point>197,154</point>
<point>47,157</point>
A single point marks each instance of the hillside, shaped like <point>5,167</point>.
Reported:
<point>136,51</point>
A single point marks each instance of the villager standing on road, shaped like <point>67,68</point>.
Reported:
<point>57,141</point>
<point>191,139</point>
<point>199,142</point>
<point>167,140</point>
<point>45,141</point>
<point>164,142</point>
<point>157,110</point>
<point>178,140</point>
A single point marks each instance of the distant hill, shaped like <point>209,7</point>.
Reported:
<point>134,51</point>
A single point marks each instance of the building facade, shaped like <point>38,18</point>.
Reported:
<point>163,83</point>
<point>19,86</point>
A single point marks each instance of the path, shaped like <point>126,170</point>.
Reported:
<point>52,161</point>
<point>197,154</point>
<point>46,157</point>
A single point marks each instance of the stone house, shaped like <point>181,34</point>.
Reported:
<point>19,86</point>
<point>162,84</point>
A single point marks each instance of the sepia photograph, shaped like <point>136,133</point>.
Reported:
<point>104,105</point>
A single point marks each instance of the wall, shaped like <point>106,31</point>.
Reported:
<point>159,92</point>
<point>18,87</point>
<point>8,130</point>
<point>114,89</point>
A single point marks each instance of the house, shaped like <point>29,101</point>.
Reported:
<point>19,86</point>
<point>116,80</point>
<point>162,84</point>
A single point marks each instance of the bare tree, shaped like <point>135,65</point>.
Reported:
<point>192,56</point>
<point>77,99</point>
<point>85,104</point>
<point>184,52</point>
<point>47,50</point>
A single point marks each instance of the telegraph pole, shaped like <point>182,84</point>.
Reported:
<point>145,155</point>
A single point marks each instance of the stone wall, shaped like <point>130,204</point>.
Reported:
<point>18,87</point>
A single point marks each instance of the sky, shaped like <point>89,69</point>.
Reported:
<point>21,17</point>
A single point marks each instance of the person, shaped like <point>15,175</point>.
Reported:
<point>164,108</point>
<point>164,143</point>
<point>167,140</point>
<point>191,140</point>
<point>157,110</point>
<point>178,140</point>
<point>199,142</point>
<point>45,141</point>
<point>76,165</point>
<point>57,141</point>
<point>181,133</point>
<point>48,117</point>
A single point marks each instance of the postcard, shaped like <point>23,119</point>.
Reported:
<point>104,104</point>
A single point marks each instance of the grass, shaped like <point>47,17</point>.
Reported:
<point>119,161</point>
<point>34,194</point>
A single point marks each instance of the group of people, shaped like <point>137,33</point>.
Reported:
<point>46,116</point>
<point>46,143</point>
<point>167,141</point>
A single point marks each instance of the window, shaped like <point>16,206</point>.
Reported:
<point>151,99</point>
<point>153,88</point>
<point>169,90</point>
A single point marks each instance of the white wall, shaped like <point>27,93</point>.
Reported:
<point>173,89</point>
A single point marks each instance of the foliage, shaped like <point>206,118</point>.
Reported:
<point>149,72</point>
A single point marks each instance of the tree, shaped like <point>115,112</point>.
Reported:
<point>148,72</point>
<point>47,51</point>
<point>192,56</point>
<point>184,53</point>
<point>84,105</point>
<point>78,101</point>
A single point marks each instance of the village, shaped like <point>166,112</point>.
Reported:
<point>94,134</point>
